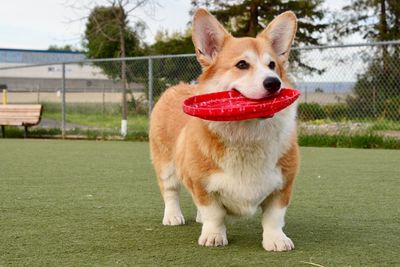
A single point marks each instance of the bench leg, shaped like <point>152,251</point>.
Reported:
<point>3,131</point>
<point>25,131</point>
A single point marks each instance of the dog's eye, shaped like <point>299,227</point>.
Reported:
<point>271,65</point>
<point>243,65</point>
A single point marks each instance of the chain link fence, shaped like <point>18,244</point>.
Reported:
<point>346,89</point>
<point>349,89</point>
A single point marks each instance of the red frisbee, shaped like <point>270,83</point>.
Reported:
<point>233,106</point>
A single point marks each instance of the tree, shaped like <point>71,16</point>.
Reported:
<point>172,44</point>
<point>108,34</point>
<point>169,71</point>
<point>378,87</point>
<point>377,20</point>
<point>102,40</point>
<point>67,47</point>
<point>102,35</point>
<point>249,17</point>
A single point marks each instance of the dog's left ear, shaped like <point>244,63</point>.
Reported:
<point>280,32</point>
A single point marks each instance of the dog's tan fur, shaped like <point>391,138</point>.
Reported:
<point>187,148</point>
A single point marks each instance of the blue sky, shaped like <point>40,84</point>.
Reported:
<point>30,24</point>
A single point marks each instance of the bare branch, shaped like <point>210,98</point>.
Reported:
<point>138,4</point>
<point>111,2</point>
<point>99,28</point>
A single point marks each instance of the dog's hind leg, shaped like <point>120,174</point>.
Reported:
<point>170,189</point>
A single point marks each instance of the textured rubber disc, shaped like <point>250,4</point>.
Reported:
<point>232,105</point>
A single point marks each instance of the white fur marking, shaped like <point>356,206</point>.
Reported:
<point>274,239</point>
<point>172,212</point>
<point>198,217</point>
<point>249,169</point>
<point>213,232</point>
<point>168,171</point>
<point>249,84</point>
<point>266,58</point>
<point>243,187</point>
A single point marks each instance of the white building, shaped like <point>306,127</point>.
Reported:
<point>46,80</point>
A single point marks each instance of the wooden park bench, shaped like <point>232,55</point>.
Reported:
<point>20,115</point>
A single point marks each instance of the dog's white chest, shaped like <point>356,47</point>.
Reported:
<point>249,175</point>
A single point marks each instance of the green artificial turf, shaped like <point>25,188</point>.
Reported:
<point>96,203</point>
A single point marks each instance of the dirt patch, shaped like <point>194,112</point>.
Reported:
<point>350,128</point>
<point>334,128</point>
<point>391,134</point>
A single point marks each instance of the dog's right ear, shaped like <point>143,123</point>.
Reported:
<point>208,37</point>
<point>280,33</point>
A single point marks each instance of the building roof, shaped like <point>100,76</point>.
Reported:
<point>32,56</point>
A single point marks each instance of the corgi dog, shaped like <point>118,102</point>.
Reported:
<point>230,167</point>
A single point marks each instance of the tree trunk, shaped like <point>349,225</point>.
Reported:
<point>122,25</point>
<point>383,33</point>
<point>253,22</point>
<point>393,7</point>
<point>383,27</point>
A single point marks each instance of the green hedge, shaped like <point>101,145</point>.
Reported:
<point>342,111</point>
<point>349,141</point>
<point>311,111</point>
<point>315,111</point>
<point>392,108</point>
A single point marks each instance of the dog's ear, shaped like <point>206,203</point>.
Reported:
<point>208,36</point>
<point>280,32</point>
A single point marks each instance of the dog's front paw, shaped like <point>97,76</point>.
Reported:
<point>216,238</point>
<point>277,241</point>
<point>173,219</point>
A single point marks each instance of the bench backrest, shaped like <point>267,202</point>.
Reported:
<point>18,115</point>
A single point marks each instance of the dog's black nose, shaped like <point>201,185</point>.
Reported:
<point>272,84</point>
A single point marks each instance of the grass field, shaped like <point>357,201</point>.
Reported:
<point>91,203</point>
<point>112,122</point>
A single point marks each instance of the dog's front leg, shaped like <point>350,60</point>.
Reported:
<point>213,232</point>
<point>273,220</point>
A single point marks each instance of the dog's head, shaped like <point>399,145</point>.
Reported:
<point>253,66</point>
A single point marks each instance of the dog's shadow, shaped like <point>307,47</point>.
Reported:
<point>306,231</point>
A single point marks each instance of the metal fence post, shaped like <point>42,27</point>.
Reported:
<point>305,95</point>
<point>4,96</point>
<point>63,102</point>
<point>38,93</point>
<point>150,84</point>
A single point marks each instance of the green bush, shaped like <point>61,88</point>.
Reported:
<point>311,111</point>
<point>385,125</point>
<point>336,111</point>
<point>18,132</point>
<point>349,141</point>
<point>392,108</point>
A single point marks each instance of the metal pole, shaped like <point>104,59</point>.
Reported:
<point>38,93</point>
<point>63,102</point>
<point>4,96</point>
<point>305,95</point>
<point>150,85</point>
<point>103,100</point>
